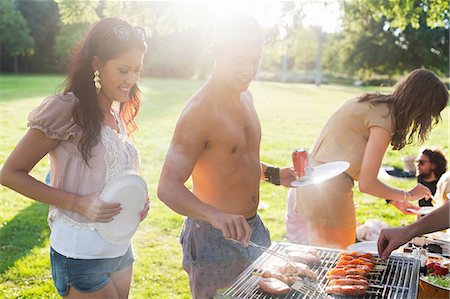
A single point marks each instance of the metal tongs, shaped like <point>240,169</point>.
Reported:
<point>265,249</point>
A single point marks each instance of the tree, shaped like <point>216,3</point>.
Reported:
<point>69,36</point>
<point>173,33</point>
<point>15,38</point>
<point>409,12</point>
<point>43,20</point>
<point>371,45</point>
<point>73,12</point>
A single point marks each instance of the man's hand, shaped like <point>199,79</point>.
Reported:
<point>97,210</point>
<point>232,226</point>
<point>391,239</point>
<point>287,176</point>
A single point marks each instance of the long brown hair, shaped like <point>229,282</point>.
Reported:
<point>415,106</point>
<point>107,39</point>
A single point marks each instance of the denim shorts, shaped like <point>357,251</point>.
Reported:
<point>85,275</point>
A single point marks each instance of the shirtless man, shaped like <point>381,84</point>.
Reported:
<point>217,141</point>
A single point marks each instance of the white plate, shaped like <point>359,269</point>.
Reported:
<point>440,236</point>
<point>131,192</point>
<point>368,247</point>
<point>422,210</point>
<point>323,172</point>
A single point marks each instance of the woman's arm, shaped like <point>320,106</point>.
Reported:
<point>15,175</point>
<point>369,183</point>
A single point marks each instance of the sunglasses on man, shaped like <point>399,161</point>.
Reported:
<point>421,162</point>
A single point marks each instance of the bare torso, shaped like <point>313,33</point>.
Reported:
<point>227,172</point>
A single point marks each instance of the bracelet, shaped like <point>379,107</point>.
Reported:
<point>272,175</point>
<point>406,195</point>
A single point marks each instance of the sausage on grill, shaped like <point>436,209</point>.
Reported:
<point>348,271</point>
<point>298,269</point>
<point>273,286</point>
<point>310,257</point>
<point>348,281</point>
<point>330,277</point>
<point>348,290</point>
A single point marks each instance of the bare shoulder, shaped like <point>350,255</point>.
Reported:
<point>195,120</point>
<point>247,97</point>
<point>197,109</point>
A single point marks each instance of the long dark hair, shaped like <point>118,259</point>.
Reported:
<point>107,39</point>
<point>415,106</point>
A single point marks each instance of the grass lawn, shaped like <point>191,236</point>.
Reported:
<point>291,116</point>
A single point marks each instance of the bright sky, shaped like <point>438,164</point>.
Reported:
<point>325,13</point>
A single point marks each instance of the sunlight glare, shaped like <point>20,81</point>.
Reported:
<point>266,13</point>
<point>325,14</point>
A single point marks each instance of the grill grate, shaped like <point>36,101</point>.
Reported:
<point>399,279</point>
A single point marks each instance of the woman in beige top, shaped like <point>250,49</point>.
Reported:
<point>442,194</point>
<point>360,132</point>
<point>88,145</point>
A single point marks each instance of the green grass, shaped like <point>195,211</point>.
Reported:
<point>291,116</point>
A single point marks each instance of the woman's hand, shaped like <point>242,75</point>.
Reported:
<point>404,206</point>
<point>95,209</point>
<point>418,192</point>
<point>145,210</point>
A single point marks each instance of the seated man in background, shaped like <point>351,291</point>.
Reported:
<point>431,165</point>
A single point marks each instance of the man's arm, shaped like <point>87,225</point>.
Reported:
<point>278,176</point>
<point>392,238</point>
<point>185,149</point>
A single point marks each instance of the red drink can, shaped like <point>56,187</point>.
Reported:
<point>300,161</point>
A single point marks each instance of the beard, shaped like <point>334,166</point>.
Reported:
<point>425,175</point>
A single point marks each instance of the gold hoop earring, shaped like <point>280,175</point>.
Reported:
<point>96,80</point>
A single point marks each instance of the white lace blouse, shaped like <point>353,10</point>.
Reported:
<point>72,234</point>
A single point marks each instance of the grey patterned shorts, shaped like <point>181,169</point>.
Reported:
<point>212,262</point>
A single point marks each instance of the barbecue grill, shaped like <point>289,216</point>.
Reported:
<point>399,279</point>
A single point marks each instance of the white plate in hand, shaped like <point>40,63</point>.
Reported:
<point>131,192</point>
<point>322,173</point>
<point>422,210</point>
<point>366,246</point>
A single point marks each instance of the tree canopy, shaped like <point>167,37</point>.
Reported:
<point>403,13</point>
<point>15,38</point>
<point>387,37</point>
<point>370,45</point>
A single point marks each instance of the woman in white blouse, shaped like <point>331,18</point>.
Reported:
<point>87,141</point>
